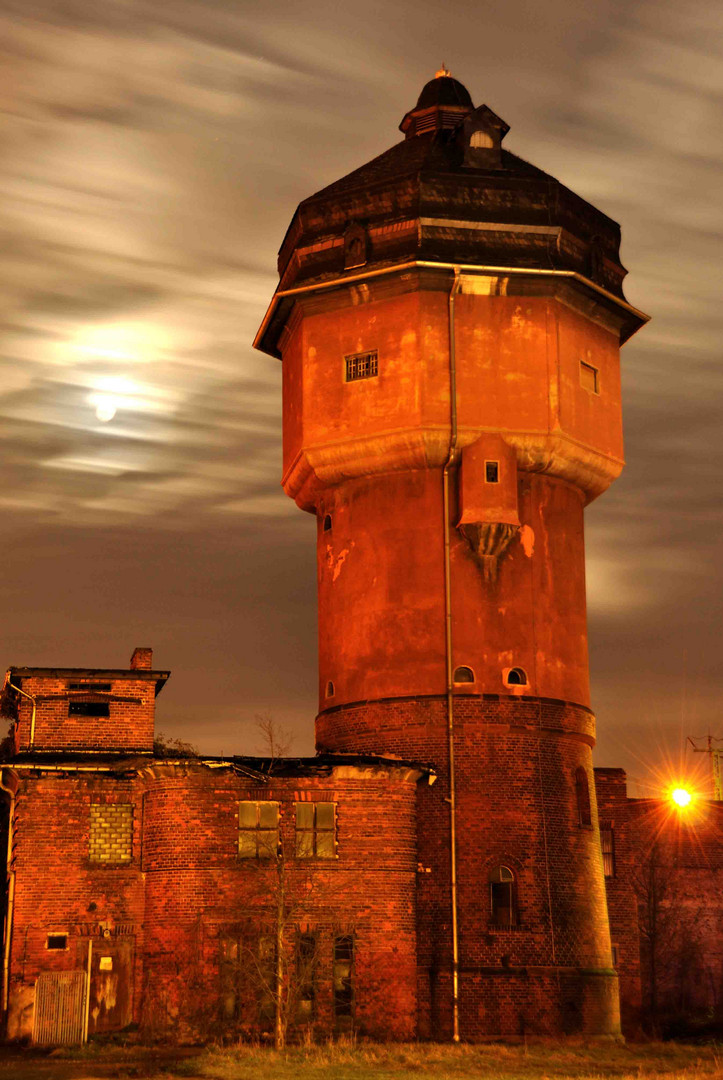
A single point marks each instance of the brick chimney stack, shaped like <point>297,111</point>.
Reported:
<point>142,659</point>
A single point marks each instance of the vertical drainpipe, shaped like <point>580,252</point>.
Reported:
<point>32,718</point>
<point>448,656</point>
<point>10,900</point>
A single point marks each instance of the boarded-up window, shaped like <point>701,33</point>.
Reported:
<point>343,977</point>
<point>607,842</point>
<point>589,378</point>
<point>315,830</point>
<point>258,830</point>
<point>111,833</point>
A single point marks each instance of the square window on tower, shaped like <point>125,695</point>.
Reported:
<point>361,366</point>
<point>589,379</point>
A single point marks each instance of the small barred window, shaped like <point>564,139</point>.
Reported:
<point>111,832</point>
<point>361,366</point>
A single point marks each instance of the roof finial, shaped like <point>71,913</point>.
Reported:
<point>443,73</point>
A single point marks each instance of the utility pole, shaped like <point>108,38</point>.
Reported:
<point>714,754</point>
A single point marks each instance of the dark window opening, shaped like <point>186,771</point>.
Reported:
<point>88,708</point>
<point>516,677</point>
<point>315,830</point>
<point>330,691</point>
<point>616,954</point>
<point>503,906</point>
<point>306,964</point>
<point>327,523</point>
<point>90,686</point>
<point>343,978</point>
<point>247,969</point>
<point>492,472</point>
<point>258,830</point>
<point>463,675</point>
<point>361,366</point>
<point>607,843</point>
<point>582,790</point>
<point>57,941</point>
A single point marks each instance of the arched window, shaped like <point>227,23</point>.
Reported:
<point>503,899</point>
<point>516,676</point>
<point>582,789</point>
<point>330,689</point>
<point>327,523</point>
<point>480,139</point>
<point>463,675</point>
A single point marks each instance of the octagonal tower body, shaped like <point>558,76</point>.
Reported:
<point>449,308</point>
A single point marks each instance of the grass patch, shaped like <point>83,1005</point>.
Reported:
<point>345,1061</point>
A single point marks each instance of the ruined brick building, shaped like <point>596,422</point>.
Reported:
<point>449,319</point>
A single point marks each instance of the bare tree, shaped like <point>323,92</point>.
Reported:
<point>274,741</point>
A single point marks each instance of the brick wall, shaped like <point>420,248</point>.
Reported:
<point>666,908</point>
<point>184,891</point>
<point>129,727</point>
<point>516,762</point>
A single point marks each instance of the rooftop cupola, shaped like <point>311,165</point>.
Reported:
<point>443,103</point>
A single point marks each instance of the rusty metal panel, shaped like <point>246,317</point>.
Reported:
<point>59,1008</point>
<point>111,985</point>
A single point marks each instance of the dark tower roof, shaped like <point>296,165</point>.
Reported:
<point>448,193</point>
<point>442,103</point>
<point>444,90</point>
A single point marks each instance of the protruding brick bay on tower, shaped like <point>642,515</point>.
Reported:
<point>449,319</point>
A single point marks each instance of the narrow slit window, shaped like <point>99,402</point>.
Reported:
<point>258,830</point>
<point>589,378</point>
<point>463,675</point>
<point>330,691</point>
<point>492,472</point>
<point>582,789</point>
<point>307,950</point>
<point>607,843</point>
<point>315,830</point>
<point>503,901</point>
<point>57,942</point>
<point>361,366</point>
<point>343,978</point>
<point>327,523</point>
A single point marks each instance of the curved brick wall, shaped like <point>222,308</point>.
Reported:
<point>516,761</point>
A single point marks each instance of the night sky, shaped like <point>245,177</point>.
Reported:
<point>152,157</point>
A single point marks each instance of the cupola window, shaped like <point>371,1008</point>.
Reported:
<point>480,140</point>
<point>492,472</point>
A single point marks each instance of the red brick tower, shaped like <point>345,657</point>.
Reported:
<point>449,319</point>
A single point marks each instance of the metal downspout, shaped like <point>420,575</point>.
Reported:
<point>11,900</point>
<point>448,656</point>
<point>32,718</point>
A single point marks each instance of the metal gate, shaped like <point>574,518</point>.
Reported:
<point>59,1008</point>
